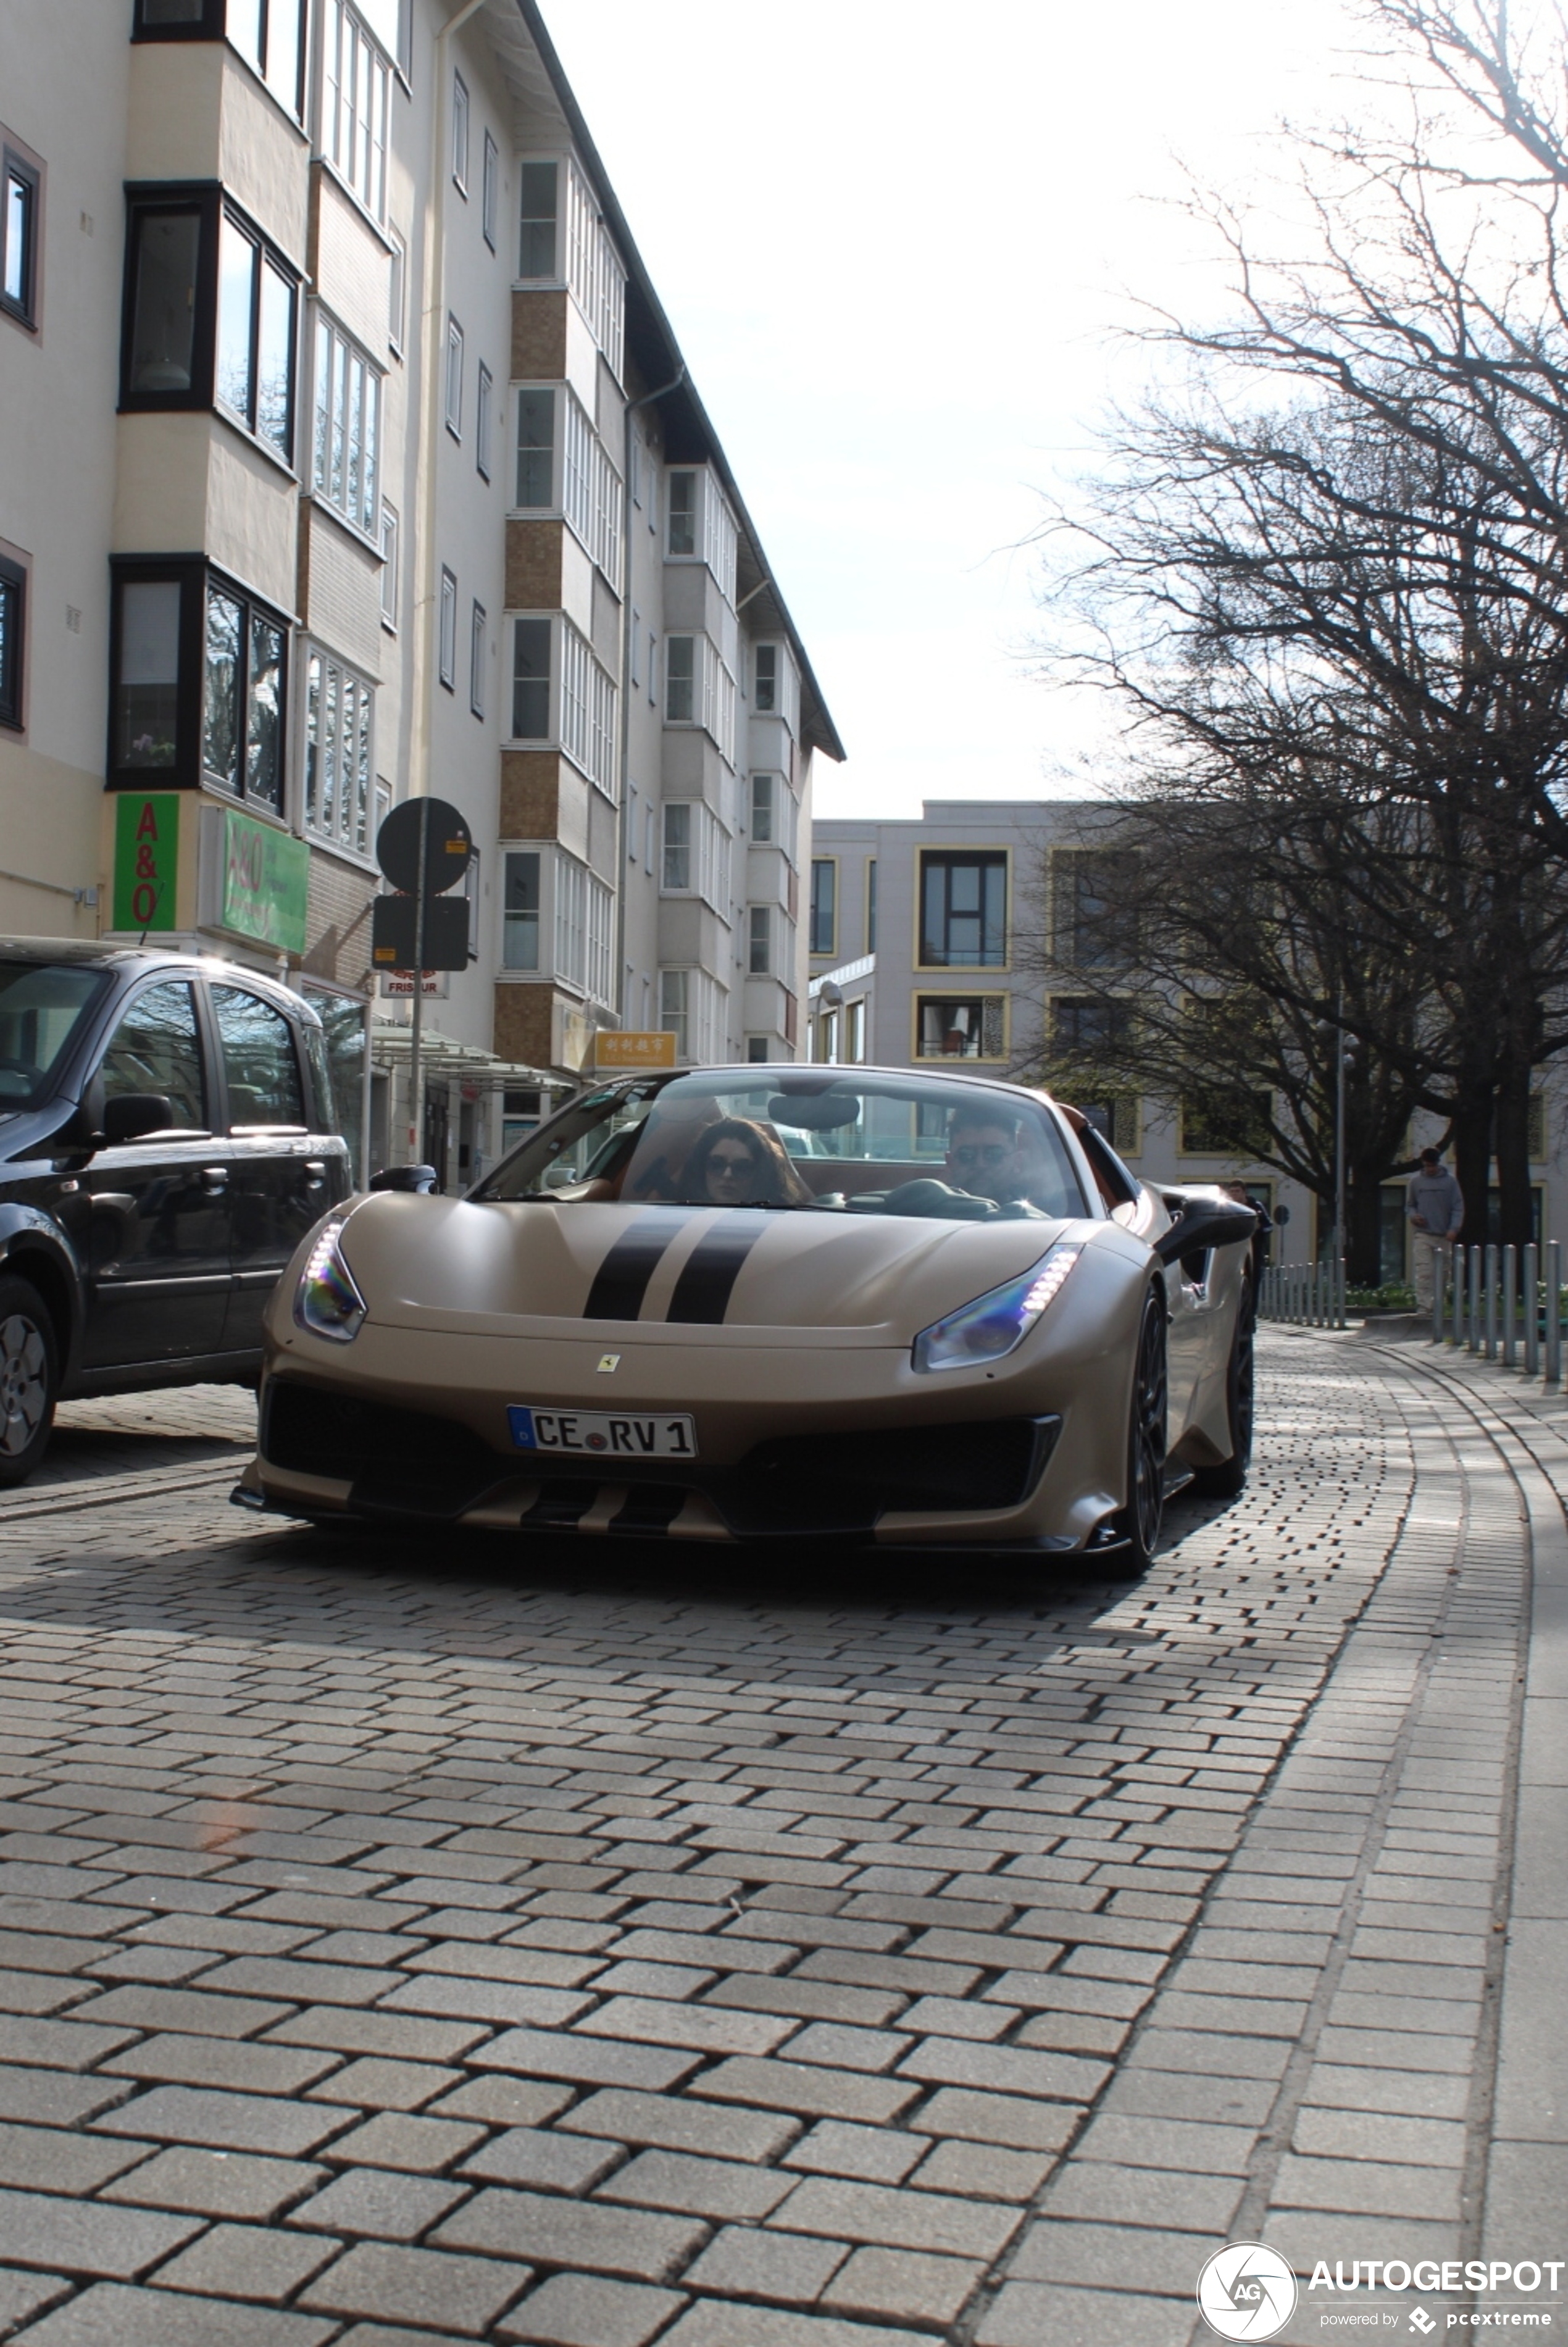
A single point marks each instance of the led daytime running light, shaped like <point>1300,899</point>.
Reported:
<point>327,1303</point>
<point>995,1324</point>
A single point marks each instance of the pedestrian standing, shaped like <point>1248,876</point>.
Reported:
<point>1436,1208</point>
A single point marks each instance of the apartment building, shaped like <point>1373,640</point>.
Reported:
<point>919,937</point>
<point>346,453</point>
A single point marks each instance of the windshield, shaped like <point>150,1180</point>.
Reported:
<point>41,1010</point>
<point>831,1140</point>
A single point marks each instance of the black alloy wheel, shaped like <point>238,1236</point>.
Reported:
<point>29,1379</point>
<point>1138,1522</point>
<point>1229,1477</point>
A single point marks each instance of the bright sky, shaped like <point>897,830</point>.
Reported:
<point>896,243</point>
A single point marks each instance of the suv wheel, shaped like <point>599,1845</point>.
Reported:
<point>29,1379</point>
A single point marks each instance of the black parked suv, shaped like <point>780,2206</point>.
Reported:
<point>167,1138</point>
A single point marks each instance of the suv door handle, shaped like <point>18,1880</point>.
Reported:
<point>215,1177</point>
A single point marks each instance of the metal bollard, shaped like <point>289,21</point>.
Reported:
<point>1439,1291</point>
<point>1473,1303</point>
<point>1553,1373</point>
<point>1488,1341</point>
<point>1458,1339</point>
<point>1532,1311</point>
<point>1509,1301</point>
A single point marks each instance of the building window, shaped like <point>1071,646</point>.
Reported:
<point>760,941</point>
<point>198,683</point>
<point>449,630</point>
<point>339,709</point>
<point>178,20</point>
<point>477,656</point>
<point>539,205</point>
<point>963,910</point>
<point>673,1014</point>
<point>460,134</point>
<point>1093,929</point>
<point>265,31</point>
<point>389,556</point>
<point>210,313</point>
<point>345,461</point>
<point>491,194</point>
<point>19,239</point>
<point>871,906</point>
<point>1233,1128</point>
<point>520,914</point>
<point>242,700</point>
<point>13,639</point>
<point>767,678</point>
<point>961,1026</point>
<point>855,1031</point>
<point>530,680</point>
<point>1082,1025</point>
<point>823,904</point>
<point>536,450</point>
<point>454,378</point>
<point>696,854</point>
<point>356,85</point>
<point>636,646</point>
<point>652,670</point>
<point>396,292</point>
<point>700,691</point>
<point>255,361</point>
<point>763,809</point>
<point>682,507</point>
<point>483,407</point>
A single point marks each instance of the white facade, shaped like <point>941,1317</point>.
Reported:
<point>405,489</point>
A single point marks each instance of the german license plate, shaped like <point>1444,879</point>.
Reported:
<point>601,1433</point>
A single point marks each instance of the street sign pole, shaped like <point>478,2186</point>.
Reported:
<point>416,1097</point>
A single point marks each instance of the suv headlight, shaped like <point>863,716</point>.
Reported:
<point>995,1322</point>
<point>326,1302</point>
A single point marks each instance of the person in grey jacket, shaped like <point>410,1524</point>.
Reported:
<point>1435,1203</point>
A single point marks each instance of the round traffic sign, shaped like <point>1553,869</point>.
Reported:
<point>447,847</point>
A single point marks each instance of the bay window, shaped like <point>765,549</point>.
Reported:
<point>345,461</point>
<point>561,694</point>
<point>763,786</point>
<point>538,221</point>
<point>696,854</point>
<point>760,941</point>
<point>536,450</point>
<point>266,33</point>
<point>765,678</point>
<point>339,712</point>
<point>691,1008</point>
<point>699,525</point>
<point>586,490</point>
<point>198,683</point>
<point>520,910</point>
<point>700,691</point>
<point>558,920</point>
<point>356,89</point>
<point>209,314</point>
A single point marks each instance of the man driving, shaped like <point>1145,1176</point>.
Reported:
<point>983,1152</point>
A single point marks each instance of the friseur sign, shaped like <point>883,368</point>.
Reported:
<point>258,880</point>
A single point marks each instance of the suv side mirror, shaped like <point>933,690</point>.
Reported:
<point>1204,1222</point>
<point>406,1177</point>
<point>82,1133</point>
<point>131,1116</point>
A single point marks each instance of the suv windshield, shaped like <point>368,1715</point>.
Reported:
<point>833,1139</point>
<point>41,1010</point>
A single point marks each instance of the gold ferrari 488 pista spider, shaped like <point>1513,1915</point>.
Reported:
<point>754,1303</point>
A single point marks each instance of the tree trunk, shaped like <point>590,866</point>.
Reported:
<point>1364,1213</point>
<point>1472,1158</point>
<point>1514,1216</point>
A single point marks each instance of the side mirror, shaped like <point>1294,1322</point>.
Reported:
<point>421,1178</point>
<point>131,1116</point>
<point>82,1133</point>
<point>1204,1222</point>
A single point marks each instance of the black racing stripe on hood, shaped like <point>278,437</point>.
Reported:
<point>620,1283</point>
<point>709,1274</point>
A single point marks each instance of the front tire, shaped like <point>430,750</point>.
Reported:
<point>1229,1477</point>
<point>1138,1521</point>
<point>29,1379</point>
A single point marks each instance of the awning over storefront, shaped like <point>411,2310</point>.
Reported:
<point>443,1060</point>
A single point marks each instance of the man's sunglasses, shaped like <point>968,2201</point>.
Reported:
<point>981,1153</point>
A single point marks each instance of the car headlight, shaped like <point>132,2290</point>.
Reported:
<point>326,1301</point>
<point>995,1322</point>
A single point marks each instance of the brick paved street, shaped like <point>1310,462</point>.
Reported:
<point>413,1941</point>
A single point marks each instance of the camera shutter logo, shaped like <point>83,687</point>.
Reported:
<point>1247,2291</point>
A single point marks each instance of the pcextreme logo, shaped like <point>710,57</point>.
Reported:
<point>1247,2291</point>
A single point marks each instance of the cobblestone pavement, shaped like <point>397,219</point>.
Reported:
<point>409,1941</point>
